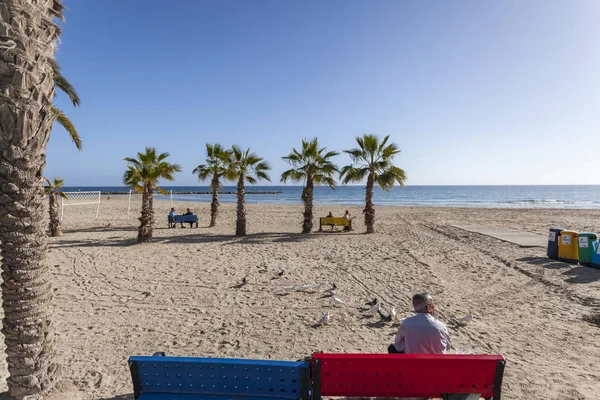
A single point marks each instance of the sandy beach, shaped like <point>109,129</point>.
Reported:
<point>114,299</point>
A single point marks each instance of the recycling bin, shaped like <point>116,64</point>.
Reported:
<point>586,244</point>
<point>553,237</point>
<point>596,257</point>
<point>568,246</point>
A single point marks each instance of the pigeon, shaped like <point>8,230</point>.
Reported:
<point>393,312</point>
<point>324,319</point>
<point>330,292</point>
<point>373,309</point>
<point>466,318</point>
<point>337,300</point>
<point>279,275</point>
<point>239,285</point>
<point>384,318</point>
<point>372,302</point>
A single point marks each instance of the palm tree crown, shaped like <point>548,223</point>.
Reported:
<point>147,169</point>
<point>376,158</point>
<point>217,161</point>
<point>52,187</point>
<point>249,165</point>
<point>310,162</point>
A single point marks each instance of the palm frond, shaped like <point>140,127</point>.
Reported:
<point>61,83</point>
<point>66,123</point>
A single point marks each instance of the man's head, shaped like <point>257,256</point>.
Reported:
<point>173,209</point>
<point>188,210</point>
<point>423,303</point>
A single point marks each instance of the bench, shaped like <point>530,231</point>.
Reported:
<point>180,219</point>
<point>447,376</point>
<point>187,378</point>
<point>334,221</point>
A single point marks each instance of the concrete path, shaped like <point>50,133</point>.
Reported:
<point>523,239</point>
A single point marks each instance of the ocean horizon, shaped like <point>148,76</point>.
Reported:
<point>503,196</point>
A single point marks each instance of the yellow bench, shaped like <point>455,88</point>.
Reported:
<point>334,221</point>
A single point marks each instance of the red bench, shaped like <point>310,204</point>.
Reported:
<point>449,376</point>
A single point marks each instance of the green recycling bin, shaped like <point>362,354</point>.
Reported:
<point>587,244</point>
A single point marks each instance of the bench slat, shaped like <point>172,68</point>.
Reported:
<point>406,375</point>
<point>219,378</point>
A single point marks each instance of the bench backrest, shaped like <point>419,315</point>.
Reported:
<point>406,375</point>
<point>334,221</point>
<point>186,218</point>
<point>220,377</point>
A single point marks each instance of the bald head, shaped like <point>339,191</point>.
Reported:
<point>421,301</point>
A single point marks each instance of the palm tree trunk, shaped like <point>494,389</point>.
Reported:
<point>369,210</point>
<point>26,118</point>
<point>147,217</point>
<point>214,205</point>
<point>54,226</point>
<point>307,198</point>
<point>240,226</point>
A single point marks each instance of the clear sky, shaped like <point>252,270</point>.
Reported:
<point>473,92</point>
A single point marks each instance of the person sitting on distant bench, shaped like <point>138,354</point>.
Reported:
<point>349,218</point>
<point>172,218</point>
<point>423,333</point>
<point>330,215</point>
<point>188,212</point>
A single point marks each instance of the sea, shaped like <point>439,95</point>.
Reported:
<point>556,196</point>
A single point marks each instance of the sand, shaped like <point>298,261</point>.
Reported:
<point>114,299</point>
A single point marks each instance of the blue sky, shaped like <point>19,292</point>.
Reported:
<point>473,92</point>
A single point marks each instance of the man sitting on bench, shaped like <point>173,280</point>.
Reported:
<point>188,212</point>
<point>423,333</point>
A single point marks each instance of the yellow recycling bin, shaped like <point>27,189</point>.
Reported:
<point>568,249</point>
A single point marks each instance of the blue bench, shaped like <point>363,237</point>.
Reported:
<point>180,219</point>
<point>187,378</point>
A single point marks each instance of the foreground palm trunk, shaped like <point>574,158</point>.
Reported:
<point>240,226</point>
<point>147,217</point>
<point>369,210</point>
<point>26,118</point>
<point>307,197</point>
<point>214,205</point>
<point>54,225</point>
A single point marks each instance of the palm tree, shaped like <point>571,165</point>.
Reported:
<point>29,35</point>
<point>245,166</point>
<point>61,83</point>
<point>52,191</point>
<point>217,161</point>
<point>142,175</point>
<point>313,166</point>
<point>373,159</point>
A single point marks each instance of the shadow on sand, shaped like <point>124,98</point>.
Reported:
<point>576,273</point>
<point>253,238</point>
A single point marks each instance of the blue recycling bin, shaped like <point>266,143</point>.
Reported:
<point>553,243</point>
<point>596,257</point>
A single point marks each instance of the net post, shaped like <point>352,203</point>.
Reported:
<point>129,203</point>
<point>98,207</point>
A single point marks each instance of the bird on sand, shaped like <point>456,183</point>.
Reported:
<point>373,310</point>
<point>467,318</point>
<point>332,288</point>
<point>372,302</point>
<point>239,285</point>
<point>324,319</point>
<point>337,300</point>
<point>384,318</point>
<point>279,275</point>
<point>393,312</point>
